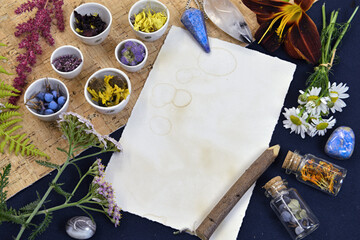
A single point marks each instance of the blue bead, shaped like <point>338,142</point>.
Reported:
<point>61,100</point>
<point>48,111</point>
<point>48,97</point>
<point>40,96</point>
<point>53,105</point>
<point>193,20</point>
<point>341,143</point>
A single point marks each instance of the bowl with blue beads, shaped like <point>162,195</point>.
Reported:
<point>47,98</point>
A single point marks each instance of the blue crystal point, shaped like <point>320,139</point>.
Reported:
<point>193,20</point>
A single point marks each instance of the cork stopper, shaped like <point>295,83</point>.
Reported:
<point>275,185</point>
<point>292,161</point>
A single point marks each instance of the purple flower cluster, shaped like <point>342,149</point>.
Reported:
<point>132,53</point>
<point>105,191</point>
<point>31,30</point>
<point>66,63</point>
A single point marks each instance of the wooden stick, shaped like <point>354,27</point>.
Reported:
<point>233,195</point>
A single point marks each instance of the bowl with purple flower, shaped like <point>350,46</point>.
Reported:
<point>46,98</point>
<point>67,61</point>
<point>131,54</point>
<point>91,23</point>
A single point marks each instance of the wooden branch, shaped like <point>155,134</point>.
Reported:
<point>233,195</point>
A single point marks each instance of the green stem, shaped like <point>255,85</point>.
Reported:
<point>329,32</point>
<point>344,30</point>
<point>78,184</point>
<point>36,210</point>
<point>87,156</point>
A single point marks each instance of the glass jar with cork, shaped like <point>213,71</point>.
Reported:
<point>315,172</point>
<point>290,208</point>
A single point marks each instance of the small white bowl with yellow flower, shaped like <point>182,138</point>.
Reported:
<point>149,19</point>
<point>108,90</point>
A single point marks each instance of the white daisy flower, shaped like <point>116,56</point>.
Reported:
<point>295,122</point>
<point>320,126</point>
<point>337,93</point>
<point>302,99</point>
<point>316,105</point>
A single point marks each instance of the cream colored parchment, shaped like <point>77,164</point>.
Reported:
<point>199,123</point>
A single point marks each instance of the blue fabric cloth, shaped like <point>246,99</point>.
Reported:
<point>339,216</point>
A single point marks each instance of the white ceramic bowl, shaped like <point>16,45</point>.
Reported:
<point>39,85</point>
<point>90,8</point>
<point>128,68</point>
<point>155,5</point>
<point>100,74</point>
<point>67,50</point>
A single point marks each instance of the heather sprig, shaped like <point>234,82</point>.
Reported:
<point>80,134</point>
<point>30,31</point>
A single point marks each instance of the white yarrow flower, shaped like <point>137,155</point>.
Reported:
<point>295,122</point>
<point>337,93</point>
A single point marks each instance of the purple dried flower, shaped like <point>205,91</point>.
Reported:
<point>66,63</point>
<point>132,53</point>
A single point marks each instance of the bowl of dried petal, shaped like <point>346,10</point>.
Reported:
<point>108,90</point>
<point>149,19</point>
<point>67,61</point>
<point>91,23</point>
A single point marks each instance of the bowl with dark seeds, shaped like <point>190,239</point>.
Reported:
<point>67,61</point>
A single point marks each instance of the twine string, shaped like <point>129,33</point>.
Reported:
<point>330,64</point>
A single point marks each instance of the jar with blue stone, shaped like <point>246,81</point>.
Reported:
<point>316,172</point>
<point>291,209</point>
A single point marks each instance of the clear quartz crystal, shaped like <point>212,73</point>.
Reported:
<point>293,212</point>
<point>228,18</point>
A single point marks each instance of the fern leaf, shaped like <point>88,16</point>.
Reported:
<point>42,226</point>
<point>3,143</point>
<point>9,114</point>
<point>2,70</point>
<point>9,132</point>
<point>3,44</point>
<point>7,124</point>
<point>4,86</point>
<point>6,93</point>
<point>48,164</point>
<point>60,191</point>
<point>11,215</point>
<point>4,181</point>
<point>11,106</point>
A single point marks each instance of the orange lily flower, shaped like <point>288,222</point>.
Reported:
<point>285,22</point>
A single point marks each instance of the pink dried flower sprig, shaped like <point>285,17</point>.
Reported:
<point>104,193</point>
<point>31,30</point>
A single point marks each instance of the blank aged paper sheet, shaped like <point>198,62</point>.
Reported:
<point>199,123</point>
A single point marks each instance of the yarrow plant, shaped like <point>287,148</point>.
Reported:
<point>31,30</point>
<point>80,135</point>
<point>321,97</point>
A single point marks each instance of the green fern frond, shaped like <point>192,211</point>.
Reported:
<point>11,215</point>
<point>3,44</point>
<point>9,114</point>
<point>7,124</point>
<point>39,229</point>
<point>9,132</point>
<point>6,93</point>
<point>11,106</point>
<point>4,86</point>
<point>3,58</point>
<point>2,70</point>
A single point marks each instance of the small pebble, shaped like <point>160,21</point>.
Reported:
<point>286,216</point>
<point>80,227</point>
<point>299,230</point>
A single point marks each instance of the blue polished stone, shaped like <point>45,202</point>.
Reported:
<point>341,143</point>
<point>193,20</point>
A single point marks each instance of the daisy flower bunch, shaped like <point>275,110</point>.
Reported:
<point>321,97</point>
<point>80,134</point>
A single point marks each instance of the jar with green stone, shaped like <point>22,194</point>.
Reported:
<point>290,208</point>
